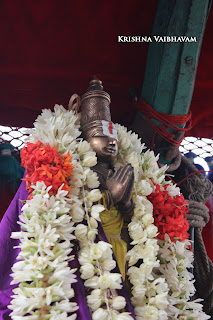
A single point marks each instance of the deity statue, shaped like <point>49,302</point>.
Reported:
<point>116,186</point>
<point>61,216</point>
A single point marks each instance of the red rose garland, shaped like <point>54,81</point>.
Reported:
<point>170,214</point>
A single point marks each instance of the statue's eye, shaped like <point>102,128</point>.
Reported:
<point>99,135</point>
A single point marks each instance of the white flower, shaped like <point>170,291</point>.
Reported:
<point>139,291</point>
<point>105,281</point>
<point>77,213</point>
<point>159,285</point>
<point>124,316</point>
<point>162,315</point>
<point>84,256</point>
<point>65,275</point>
<point>92,283</point>
<point>152,231</point>
<point>136,231</point>
<point>62,316</point>
<point>61,194</point>
<point>146,251</point>
<point>96,251</point>
<point>53,290</point>
<point>92,234</point>
<point>147,219</point>
<point>46,239</point>
<point>25,274</point>
<point>94,195</point>
<point>110,280</point>
<point>41,188</point>
<point>65,305</point>
<point>160,301</point>
<point>90,159</point>
<point>139,211</point>
<point>95,210</point>
<point>173,190</point>
<point>133,159</point>
<point>93,223</point>
<point>33,299</point>
<point>125,142</point>
<point>104,248</point>
<point>84,147</point>
<point>144,187</point>
<point>146,313</point>
<point>38,262</point>
<point>92,181</point>
<point>108,264</point>
<point>119,303</point>
<point>180,248</point>
<point>95,299</point>
<point>142,206</point>
<point>87,271</point>
<point>100,314</point>
<point>137,277</point>
<point>80,231</point>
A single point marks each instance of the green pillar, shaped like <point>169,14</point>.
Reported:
<point>171,66</point>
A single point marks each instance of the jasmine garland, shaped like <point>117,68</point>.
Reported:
<point>161,285</point>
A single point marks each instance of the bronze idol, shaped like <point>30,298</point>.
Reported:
<point>101,133</point>
<point>116,186</point>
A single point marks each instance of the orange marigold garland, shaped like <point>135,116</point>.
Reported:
<point>170,214</point>
<point>44,163</point>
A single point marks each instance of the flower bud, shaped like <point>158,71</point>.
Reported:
<point>90,159</point>
<point>77,213</point>
<point>94,195</point>
<point>93,223</point>
<point>108,264</point>
<point>91,234</point>
<point>151,231</point>
<point>87,271</point>
<point>95,299</point>
<point>80,231</point>
<point>92,180</point>
<point>124,316</point>
<point>95,210</point>
<point>100,314</point>
<point>147,219</point>
<point>118,303</point>
<point>83,147</point>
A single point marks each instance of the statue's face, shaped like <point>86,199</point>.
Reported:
<point>105,147</point>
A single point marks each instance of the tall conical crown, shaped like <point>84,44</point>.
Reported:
<point>95,104</point>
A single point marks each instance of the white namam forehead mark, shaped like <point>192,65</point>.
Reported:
<point>109,129</point>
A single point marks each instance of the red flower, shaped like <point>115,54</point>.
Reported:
<point>44,163</point>
<point>170,214</point>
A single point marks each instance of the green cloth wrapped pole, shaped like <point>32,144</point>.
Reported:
<point>171,66</point>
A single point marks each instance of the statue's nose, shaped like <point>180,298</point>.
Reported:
<point>112,141</point>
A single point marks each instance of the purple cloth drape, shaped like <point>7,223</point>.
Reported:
<point>7,253</point>
<point>8,257</point>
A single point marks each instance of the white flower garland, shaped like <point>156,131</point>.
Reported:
<point>46,220</point>
<point>161,289</point>
<point>43,271</point>
<point>176,261</point>
<point>149,296</point>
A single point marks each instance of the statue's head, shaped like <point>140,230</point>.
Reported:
<point>96,123</point>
